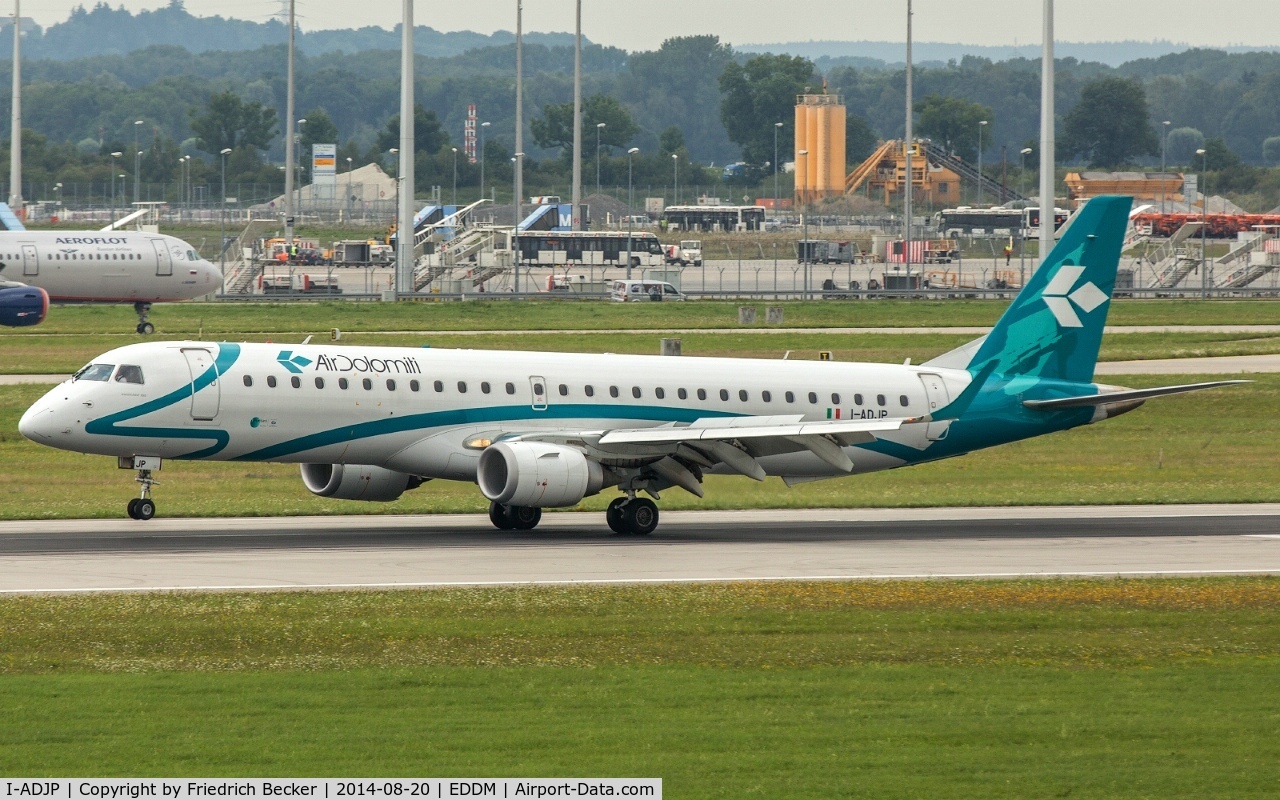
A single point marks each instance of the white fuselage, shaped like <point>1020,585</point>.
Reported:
<point>107,266</point>
<point>423,411</point>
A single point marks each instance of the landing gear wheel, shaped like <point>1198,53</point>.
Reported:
<point>133,508</point>
<point>613,515</point>
<point>144,509</point>
<point>523,518</point>
<point>640,516</point>
<point>146,328</point>
<point>498,516</point>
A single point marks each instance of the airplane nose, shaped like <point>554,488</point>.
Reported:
<point>36,423</point>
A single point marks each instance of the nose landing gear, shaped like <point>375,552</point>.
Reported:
<point>145,328</point>
<point>143,507</point>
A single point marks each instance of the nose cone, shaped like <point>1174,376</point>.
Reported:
<point>37,423</point>
<point>211,274</point>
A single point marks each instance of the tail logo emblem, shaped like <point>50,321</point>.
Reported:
<point>1062,294</point>
<point>291,362</point>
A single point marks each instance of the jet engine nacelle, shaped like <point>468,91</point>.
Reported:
<point>357,482</point>
<point>23,305</point>
<point>537,475</point>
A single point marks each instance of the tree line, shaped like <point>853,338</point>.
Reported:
<point>694,97</point>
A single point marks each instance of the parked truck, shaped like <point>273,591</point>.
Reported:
<point>686,253</point>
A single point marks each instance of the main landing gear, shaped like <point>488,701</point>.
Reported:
<point>143,507</point>
<point>637,516</point>
<point>514,518</point>
<point>145,328</point>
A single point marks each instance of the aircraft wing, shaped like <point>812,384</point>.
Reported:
<point>733,442</point>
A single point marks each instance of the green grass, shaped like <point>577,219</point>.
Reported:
<point>1216,446</point>
<point>40,353</point>
<point>894,689</point>
<point>236,319</point>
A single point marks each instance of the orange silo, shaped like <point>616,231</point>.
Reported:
<point>820,130</point>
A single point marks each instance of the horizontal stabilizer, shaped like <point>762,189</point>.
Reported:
<point>1122,396</point>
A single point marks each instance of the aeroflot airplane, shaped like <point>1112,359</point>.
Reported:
<point>97,267</point>
<point>539,430</point>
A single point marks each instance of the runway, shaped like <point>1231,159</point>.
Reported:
<point>814,544</point>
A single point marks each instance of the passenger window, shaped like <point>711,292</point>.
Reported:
<point>724,394</point>
<point>813,398</point>
<point>438,386</point>
<point>248,381</point>
<point>904,401</point>
<point>613,391</point>
<point>589,391</point>
<point>702,394</point>
<point>791,397</point>
<point>271,381</point>
<point>368,384</point>
<point>538,390</point>
<point>129,373</point>
<point>857,399</point>
<point>880,399</point>
<point>342,383</point>
<point>635,392</point>
<point>659,393</point>
<point>462,387</point>
<point>484,386</point>
<point>511,388</point>
<point>564,390</point>
<point>319,383</point>
<point>295,382</point>
<point>742,395</point>
<point>391,385</point>
<point>835,399</point>
<point>414,386</point>
<point>682,394</point>
<point>766,396</point>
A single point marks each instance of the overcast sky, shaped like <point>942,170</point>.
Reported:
<point>644,24</point>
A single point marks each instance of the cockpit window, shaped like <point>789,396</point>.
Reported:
<point>129,373</point>
<point>191,255</point>
<point>94,372</point>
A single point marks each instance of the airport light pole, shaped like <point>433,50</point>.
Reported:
<point>517,162</point>
<point>136,123</point>
<point>982,124</point>
<point>777,126</point>
<point>1164,140</point>
<point>114,156</point>
<point>483,125</point>
<point>630,209</point>
<point>599,127</point>
<point>222,212</point>
<point>1204,221</point>
<point>675,185</point>
<point>455,180</point>
<point>1022,239</point>
<point>350,199</point>
<point>298,180</point>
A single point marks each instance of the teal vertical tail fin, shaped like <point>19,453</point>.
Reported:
<point>1054,327</point>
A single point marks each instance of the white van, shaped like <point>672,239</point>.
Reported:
<point>634,291</point>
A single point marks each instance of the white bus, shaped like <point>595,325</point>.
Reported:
<point>601,248</point>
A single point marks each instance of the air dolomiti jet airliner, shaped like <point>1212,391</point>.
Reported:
<point>540,430</point>
<point>97,267</point>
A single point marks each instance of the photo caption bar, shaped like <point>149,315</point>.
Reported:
<point>327,788</point>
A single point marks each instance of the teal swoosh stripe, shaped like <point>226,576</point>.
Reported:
<point>107,426</point>
<point>470,416</point>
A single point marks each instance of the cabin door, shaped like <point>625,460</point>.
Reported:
<point>539,388</point>
<point>936,392</point>
<point>164,264</point>
<point>30,260</point>
<point>204,398</point>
